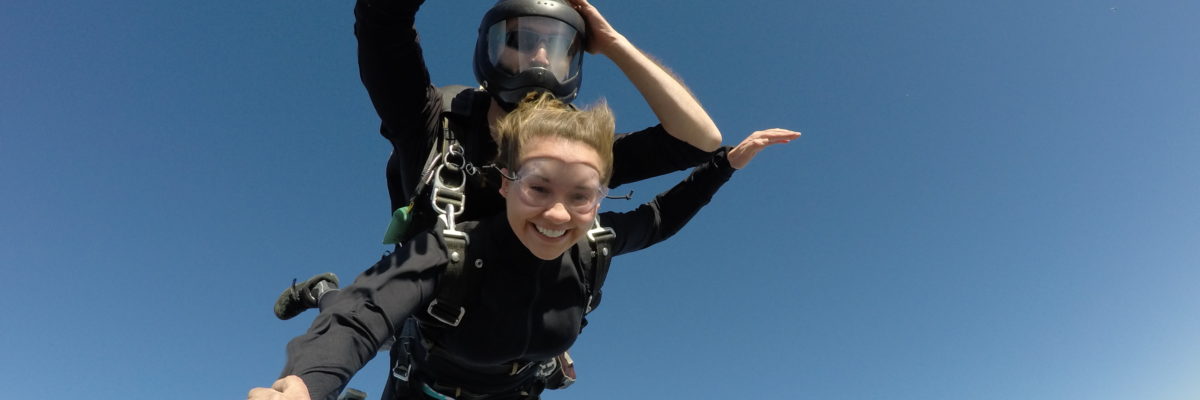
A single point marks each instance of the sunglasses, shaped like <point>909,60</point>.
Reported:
<point>529,41</point>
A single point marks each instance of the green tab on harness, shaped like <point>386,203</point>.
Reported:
<point>399,225</point>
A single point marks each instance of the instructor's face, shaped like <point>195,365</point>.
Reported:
<point>553,202</point>
<point>536,42</point>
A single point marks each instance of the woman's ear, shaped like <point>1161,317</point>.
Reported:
<point>504,183</point>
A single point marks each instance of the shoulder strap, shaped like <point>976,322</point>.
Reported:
<point>457,282</point>
<point>448,200</point>
<point>457,103</point>
<point>600,249</point>
<point>459,100</point>
<point>448,177</point>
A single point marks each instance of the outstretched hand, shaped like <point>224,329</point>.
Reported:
<point>290,387</point>
<point>745,151</point>
<point>601,35</point>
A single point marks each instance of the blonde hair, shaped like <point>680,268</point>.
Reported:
<point>541,116</point>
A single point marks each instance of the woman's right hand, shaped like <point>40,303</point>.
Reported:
<point>290,387</point>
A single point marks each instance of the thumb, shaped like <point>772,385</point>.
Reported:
<point>292,387</point>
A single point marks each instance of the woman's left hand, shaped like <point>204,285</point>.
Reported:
<point>745,151</point>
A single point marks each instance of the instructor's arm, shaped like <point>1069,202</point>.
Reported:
<point>680,113</point>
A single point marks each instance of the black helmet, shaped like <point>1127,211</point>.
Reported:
<point>530,45</point>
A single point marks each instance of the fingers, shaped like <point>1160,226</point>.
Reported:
<point>277,391</point>
<point>776,134</point>
<point>581,6</point>
<point>264,394</point>
<point>281,384</point>
<point>745,151</point>
<point>769,137</point>
<point>290,387</point>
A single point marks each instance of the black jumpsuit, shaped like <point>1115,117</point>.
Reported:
<point>393,70</point>
<point>527,309</point>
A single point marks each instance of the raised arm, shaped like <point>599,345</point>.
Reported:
<point>661,218</point>
<point>681,114</point>
<point>392,68</point>
<point>391,64</point>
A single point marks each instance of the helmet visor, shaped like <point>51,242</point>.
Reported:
<point>526,43</point>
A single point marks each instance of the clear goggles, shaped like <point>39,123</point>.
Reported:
<point>544,182</point>
<point>520,44</point>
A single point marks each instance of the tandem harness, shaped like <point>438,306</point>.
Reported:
<point>443,180</point>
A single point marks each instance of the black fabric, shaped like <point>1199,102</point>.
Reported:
<point>527,309</point>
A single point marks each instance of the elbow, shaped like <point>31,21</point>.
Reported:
<point>710,142</point>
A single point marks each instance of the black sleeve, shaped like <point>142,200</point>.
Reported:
<point>649,153</point>
<point>657,220</point>
<point>351,329</point>
<point>392,68</point>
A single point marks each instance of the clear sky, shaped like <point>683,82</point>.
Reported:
<point>993,200</point>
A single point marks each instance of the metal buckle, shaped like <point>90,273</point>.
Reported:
<point>598,232</point>
<point>458,319</point>
<point>452,234</point>
<point>402,372</point>
<point>598,238</point>
<point>455,150</point>
<point>444,194</point>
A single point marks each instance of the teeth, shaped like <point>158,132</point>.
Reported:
<point>549,232</point>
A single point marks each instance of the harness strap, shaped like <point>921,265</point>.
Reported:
<point>600,243</point>
<point>457,284</point>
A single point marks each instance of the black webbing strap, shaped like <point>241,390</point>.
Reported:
<point>456,101</point>
<point>448,201</point>
<point>456,282</point>
<point>600,243</point>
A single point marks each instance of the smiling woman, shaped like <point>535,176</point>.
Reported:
<point>533,277</point>
<point>562,160</point>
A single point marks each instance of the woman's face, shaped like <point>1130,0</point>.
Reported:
<point>552,203</point>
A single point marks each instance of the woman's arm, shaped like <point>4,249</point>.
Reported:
<point>353,326</point>
<point>661,218</point>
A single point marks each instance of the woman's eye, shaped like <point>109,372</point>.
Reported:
<point>580,198</point>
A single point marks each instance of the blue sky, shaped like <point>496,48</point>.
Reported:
<point>990,201</point>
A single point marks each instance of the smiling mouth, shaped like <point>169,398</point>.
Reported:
<point>550,232</point>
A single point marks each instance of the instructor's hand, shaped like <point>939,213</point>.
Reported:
<point>601,35</point>
<point>290,387</point>
<point>745,151</point>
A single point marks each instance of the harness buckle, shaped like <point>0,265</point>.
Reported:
<point>445,196</point>
<point>600,233</point>
<point>402,372</point>
<point>599,237</point>
<point>443,319</point>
